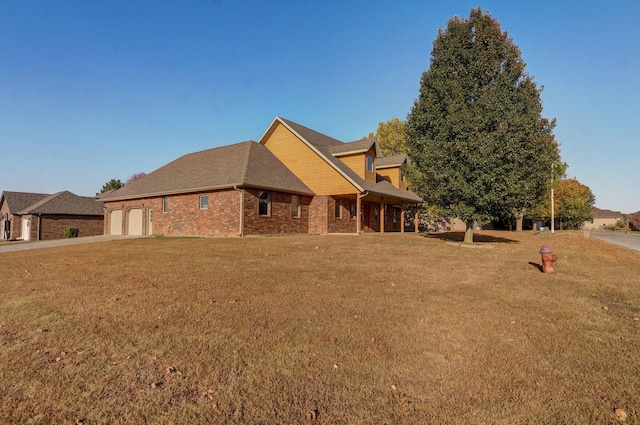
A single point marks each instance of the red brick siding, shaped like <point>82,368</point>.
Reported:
<point>185,218</point>
<point>344,224</point>
<point>279,221</point>
<point>319,215</point>
<point>52,226</point>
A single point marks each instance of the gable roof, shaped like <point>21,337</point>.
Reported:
<point>66,203</point>
<point>323,146</point>
<point>17,201</point>
<point>391,161</point>
<point>246,164</point>
<point>63,203</point>
<point>359,146</point>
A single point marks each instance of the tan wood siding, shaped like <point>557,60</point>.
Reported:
<point>314,171</point>
<point>392,175</point>
<point>369,175</point>
<point>357,162</point>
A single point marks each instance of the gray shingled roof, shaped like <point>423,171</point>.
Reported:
<point>354,147</point>
<point>66,203</point>
<point>391,161</point>
<point>324,144</point>
<point>246,164</point>
<point>63,203</point>
<point>17,201</point>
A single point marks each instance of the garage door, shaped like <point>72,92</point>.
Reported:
<point>115,222</point>
<point>134,221</point>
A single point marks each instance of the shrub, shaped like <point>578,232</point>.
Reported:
<point>71,232</point>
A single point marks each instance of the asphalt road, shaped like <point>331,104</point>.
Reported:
<point>628,241</point>
<point>21,246</point>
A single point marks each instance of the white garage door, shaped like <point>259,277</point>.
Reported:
<point>115,222</point>
<point>134,221</point>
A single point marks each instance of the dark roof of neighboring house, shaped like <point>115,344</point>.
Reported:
<point>599,213</point>
<point>17,201</point>
<point>66,203</point>
<point>324,145</point>
<point>246,164</point>
<point>63,203</point>
<point>391,161</point>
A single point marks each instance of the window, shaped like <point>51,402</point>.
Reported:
<point>352,210</point>
<point>165,204</point>
<point>338,212</point>
<point>264,204</point>
<point>295,206</point>
<point>204,202</point>
<point>370,160</point>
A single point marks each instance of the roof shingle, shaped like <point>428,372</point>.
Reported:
<point>246,164</point>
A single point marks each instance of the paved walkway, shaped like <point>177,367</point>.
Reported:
<point>21,246</point>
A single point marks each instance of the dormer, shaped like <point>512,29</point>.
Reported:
<point>390,169</point>
<point>360,156</point>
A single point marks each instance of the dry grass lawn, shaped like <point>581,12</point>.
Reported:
<point>395,329</point>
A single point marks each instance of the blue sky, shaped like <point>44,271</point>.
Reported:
<point>94,90</point>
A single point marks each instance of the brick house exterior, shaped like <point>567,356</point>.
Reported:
<point>294,180</point>
<point>38,216</point>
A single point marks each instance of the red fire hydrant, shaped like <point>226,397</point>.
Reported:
<point>548,259</point>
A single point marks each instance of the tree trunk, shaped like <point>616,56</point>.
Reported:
<point>519,220</point>
<point>468,233</point>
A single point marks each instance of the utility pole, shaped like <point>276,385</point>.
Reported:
<point>552,203</point>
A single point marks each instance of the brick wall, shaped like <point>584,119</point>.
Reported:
<point>52,226</point>
<point>279,220</point>
<point>343,224</point>
<point>222,217</point>
<point>319,215</point>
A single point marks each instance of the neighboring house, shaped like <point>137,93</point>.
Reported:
<point>293,180</point>
<point>602,218</point>
<point>39,216</point>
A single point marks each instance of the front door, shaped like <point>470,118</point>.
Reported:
<point>366,216</point>
<point>26,229</point>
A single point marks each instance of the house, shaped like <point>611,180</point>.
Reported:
<point>293,180</point>
<point>39,216</point>
<point>602,218</point>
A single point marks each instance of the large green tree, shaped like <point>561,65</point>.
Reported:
<point>391,136</point>
<point>111,185</point>
<point>475,133</point>
<point>572,203</point>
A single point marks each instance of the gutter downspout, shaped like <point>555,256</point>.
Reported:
<point>39,222</point>
<point>358,211</point>
<point>240,232</point>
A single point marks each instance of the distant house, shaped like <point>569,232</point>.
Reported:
<point>39,216</point>
<point>602,218</point>
<point>293,180</point>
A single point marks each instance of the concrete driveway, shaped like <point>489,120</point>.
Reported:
<point>21,246</point>
<point>628,241</point>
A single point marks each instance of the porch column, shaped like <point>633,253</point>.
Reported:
<point>415,219</point>
<point>402,217</point>
<point>358,214</point>
<point>381,215</point>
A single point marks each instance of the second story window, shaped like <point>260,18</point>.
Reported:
<point>370,160</point>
